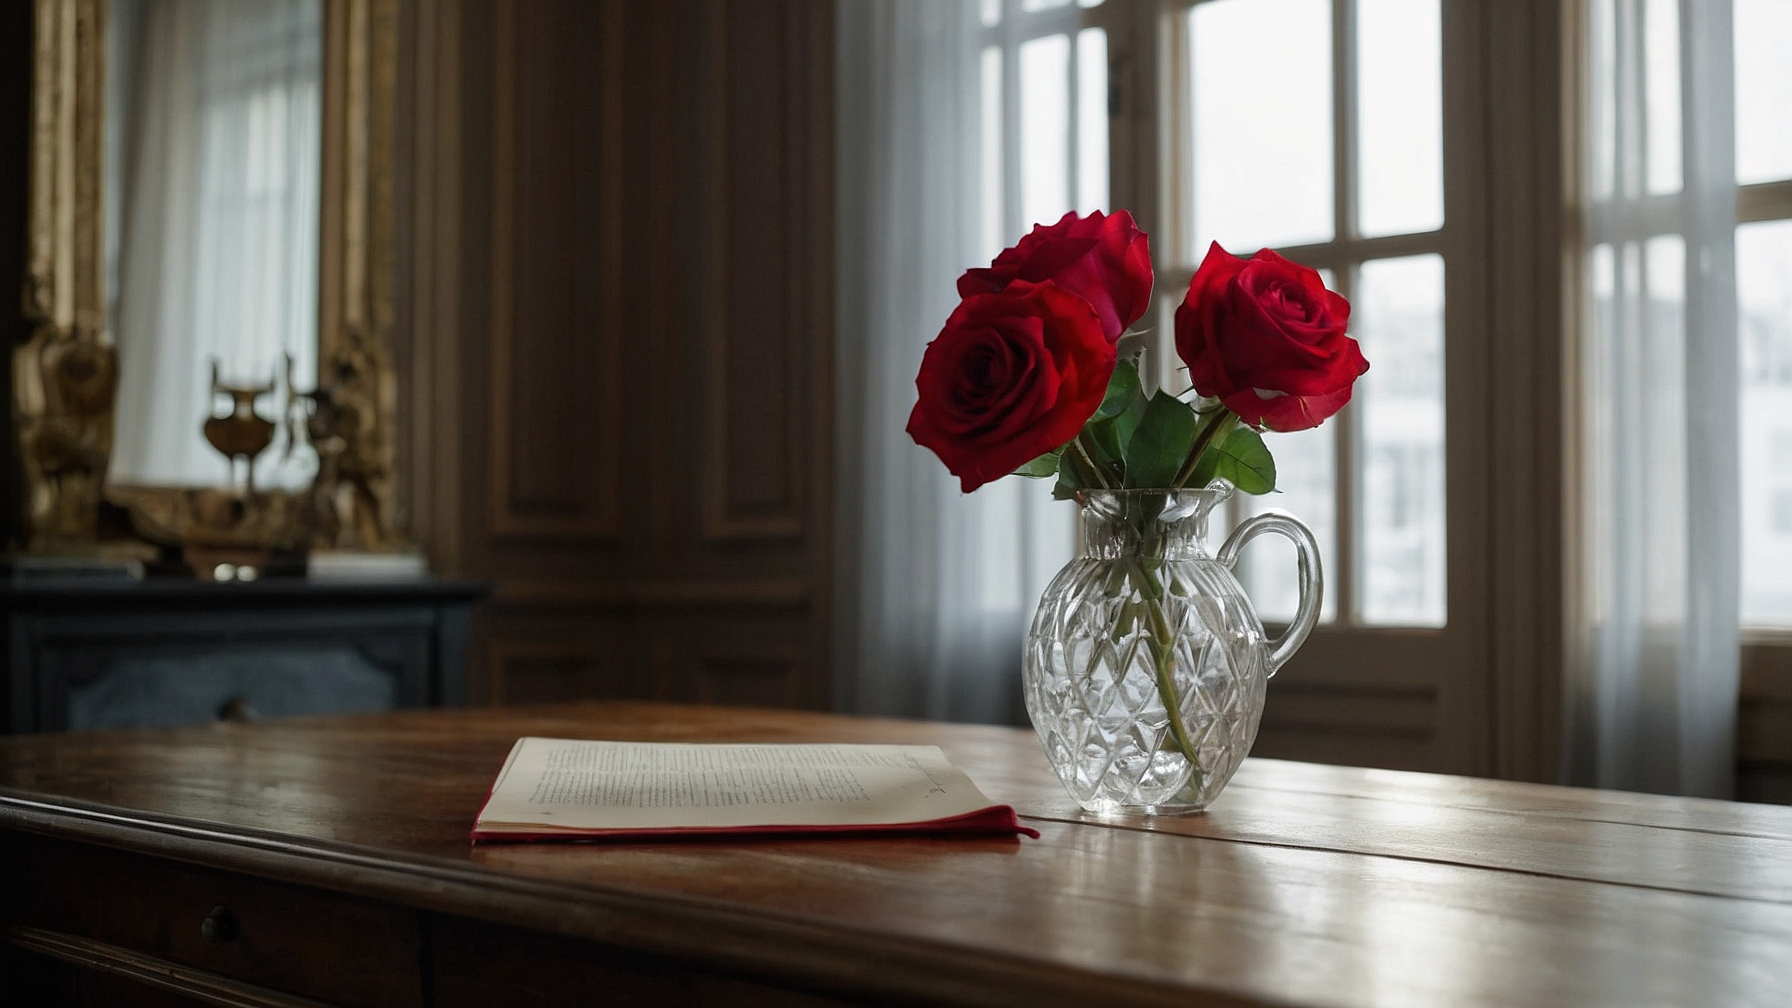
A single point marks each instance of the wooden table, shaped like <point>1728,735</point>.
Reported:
<point>327,859</point>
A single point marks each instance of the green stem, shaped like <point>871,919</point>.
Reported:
<point>1163,653</point>
<point>1215,429</point>
<point>1100,476</point>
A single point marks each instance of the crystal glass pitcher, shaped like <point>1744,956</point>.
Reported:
<point>1146,664</point>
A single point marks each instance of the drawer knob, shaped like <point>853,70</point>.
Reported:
<point>237,709</point>
<point>219,926</point>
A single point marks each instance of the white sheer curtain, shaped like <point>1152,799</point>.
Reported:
<point>213,166</point>
<point>935,586</point>
<point>1653,705</point>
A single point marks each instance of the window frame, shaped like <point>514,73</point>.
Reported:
<point>1343,256</point>
<point>1485,690</point>
<point>1515,82</point>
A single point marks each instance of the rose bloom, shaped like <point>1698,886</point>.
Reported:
<point>1105,258</point>
<point>1266,338</point>
<point>1013,375</point>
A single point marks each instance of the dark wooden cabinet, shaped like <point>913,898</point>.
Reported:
<point>137,910</point>
<point>164,653</point>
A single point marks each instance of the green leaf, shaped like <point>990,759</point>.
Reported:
<point>1123,388</point>
<point>1127,423</point>
<point>1041,467</point>
<point>1205,468</point>
<point>1112,434</point>
<point>1212,427</point>
<point>1065,488</point>
<point>1244,461</point>
<point>1157,447</point>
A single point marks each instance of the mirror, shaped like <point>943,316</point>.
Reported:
<point>213,158</point>
<point>210,275</point>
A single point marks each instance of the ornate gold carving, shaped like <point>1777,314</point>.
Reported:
<point>354,496</point>
<point>65,376</point>
<point>214,516</point>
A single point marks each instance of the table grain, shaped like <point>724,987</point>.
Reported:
<point>1303,885</point>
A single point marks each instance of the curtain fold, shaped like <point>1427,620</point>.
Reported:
<point>934,586</point>
<point>214,161</point>
<point>1652,703</point>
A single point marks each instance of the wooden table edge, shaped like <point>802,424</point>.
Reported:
<point>826,957</point>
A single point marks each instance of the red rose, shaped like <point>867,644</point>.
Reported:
<point>1013,375</point>
<point>1265,337</point>
<point>1104,259</point>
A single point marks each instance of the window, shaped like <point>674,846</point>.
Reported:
<point>1354,187</point>
<point>1044,116</point>
<point>1378,141</point>
<point>1388,144</point>
<point>1043,150</point>
<point>1314,127</point>
<point>1638,274</point>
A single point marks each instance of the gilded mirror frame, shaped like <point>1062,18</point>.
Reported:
<point>65,376</point>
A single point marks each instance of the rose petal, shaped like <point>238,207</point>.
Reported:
<point>1013,374</point>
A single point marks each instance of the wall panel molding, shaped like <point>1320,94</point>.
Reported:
<point>1390,724</point>
<point>754,334</point>
<point>627,420</point>
<point>736,660</point>
<point>541,671</point>
<point>557,320</point>
<point>782,593</point>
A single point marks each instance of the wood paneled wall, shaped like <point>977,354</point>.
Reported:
<point>633,304</point>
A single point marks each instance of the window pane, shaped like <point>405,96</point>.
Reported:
<point>1661,90</point>
<point>1306,476</point>
<point>1763,90</point>
<point>1399,317</point>
<point>1399,103</point>
<point>1091,119</point>
<point>1038,5</point>
<point>1261,78</point>
<point>990,13</point>
<point>1044,129</point>
<point>1633,51</point>
<point>1764,315</point>
<point>1602,104</point>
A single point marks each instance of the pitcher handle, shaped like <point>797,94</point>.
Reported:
<point>1312,583</point>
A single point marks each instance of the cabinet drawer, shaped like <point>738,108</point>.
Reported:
<point>479,964</point>
<point>292,939</point>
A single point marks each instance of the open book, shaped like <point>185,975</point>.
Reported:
<point>569,789</point>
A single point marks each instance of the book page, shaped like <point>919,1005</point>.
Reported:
<point>573,784</point>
